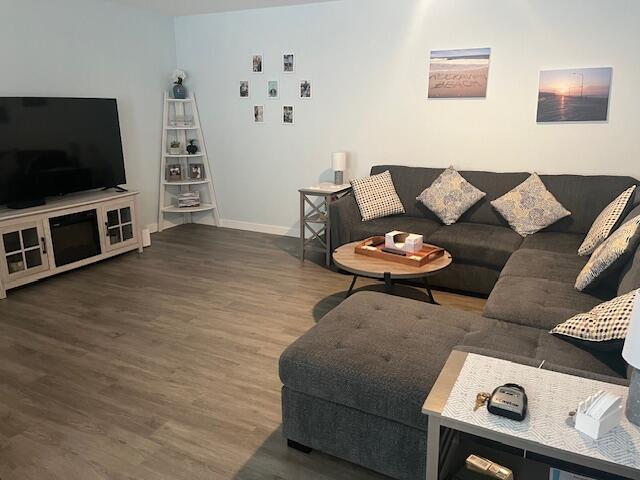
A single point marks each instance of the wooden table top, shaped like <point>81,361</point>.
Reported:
<point>346,258</point>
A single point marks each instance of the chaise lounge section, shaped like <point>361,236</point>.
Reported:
<point>354,385</point>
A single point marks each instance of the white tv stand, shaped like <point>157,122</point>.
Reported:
<point>27,252</point>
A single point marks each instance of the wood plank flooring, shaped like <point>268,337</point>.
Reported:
<point>164,365</point>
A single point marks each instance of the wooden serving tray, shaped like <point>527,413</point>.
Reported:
<point>418,259</point>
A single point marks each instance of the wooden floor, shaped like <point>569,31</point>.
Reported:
<point>164,365</point>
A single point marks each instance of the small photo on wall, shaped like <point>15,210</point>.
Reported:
<point>288,63</point>
<point>287,115</point>
<point>256,64</point>
<point>244,89</point>
<point>574,95</point>
<point>273,90</point>
<point>258,114</point>
<point>305,89</point>
<point>459,73</point>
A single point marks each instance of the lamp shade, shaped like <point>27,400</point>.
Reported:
<point>631,350</point>
<point>339,161</point>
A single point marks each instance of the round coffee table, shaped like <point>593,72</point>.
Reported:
<point>359,265</point>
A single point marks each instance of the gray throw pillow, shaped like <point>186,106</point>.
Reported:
<point>530,207</point>
<point>608,256</point>
<point>449,196</point>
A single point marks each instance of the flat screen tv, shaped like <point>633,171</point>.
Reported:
<point>55,146</point>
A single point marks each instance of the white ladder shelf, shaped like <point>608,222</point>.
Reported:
<point>167,204</point>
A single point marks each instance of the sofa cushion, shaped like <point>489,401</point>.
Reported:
<point>630,276</point>
<point>538,302</point>
<point>560,242</point>
<point>585,196</point>
<point>534,343</point>
<point>477,244</point>
<point>382,354</point>
<point>561,267</point>
<point>381,226</point>
<point>449,196</point>
<point>376,196</point>
<point>611,255</point>
<point>530,207</point>
<point>606,222</point>
<point>377,353</point>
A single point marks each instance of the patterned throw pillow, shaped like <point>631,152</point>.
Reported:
<point>605,223</point>
<point>610,254</point>
<point>376,196</point>
<point>530,207</point>
<point>449,196</point>
<point>606,324</point>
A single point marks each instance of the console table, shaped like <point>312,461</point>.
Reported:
<point>315,217</point>
<point>546,430</point>
<point>66,233</point>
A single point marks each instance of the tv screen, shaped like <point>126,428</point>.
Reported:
<point>54,146</point>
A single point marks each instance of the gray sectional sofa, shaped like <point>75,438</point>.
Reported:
<point>355,383</point>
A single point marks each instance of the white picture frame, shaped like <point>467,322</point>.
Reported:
<point>305,89</point>
<point>257,63</point>
<point>258,114</point>
<point>288,115</point>
<point>289,62</point>
<point>244,89</point>
<point>273,89</point>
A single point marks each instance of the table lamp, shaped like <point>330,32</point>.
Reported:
<point>339,164</point>
<point>631,353</point>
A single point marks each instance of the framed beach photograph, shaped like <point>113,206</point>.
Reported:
<point>256,63</point>
<point>288,63</point>
<point>574,95</point>
<point>174,173</point>
<point>305,89</point>
<point>244,88</point>
<point>459,73</point>
<point>196,171</point>
<point>287,115</point>
<point>258,114</point>
<point>273,89</point>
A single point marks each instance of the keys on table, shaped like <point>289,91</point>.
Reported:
<point>481,399</point>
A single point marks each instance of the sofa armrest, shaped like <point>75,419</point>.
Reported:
<point>547,365</point>
<point>344,215</point>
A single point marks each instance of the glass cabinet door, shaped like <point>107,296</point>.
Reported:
<point>119,226</point>
<point>24,250</point>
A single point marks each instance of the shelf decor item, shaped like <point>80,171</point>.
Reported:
<point>196,171</point>
<point>174,173</point>
<point>175,148</point>
<point>192,148</point>
<point>339,165</point>
<point>631,353</point>
<point>179,90</point>
<point>189,199</point>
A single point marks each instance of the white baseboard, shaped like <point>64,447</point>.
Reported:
<point>259,227</point>
<point>238,225</point>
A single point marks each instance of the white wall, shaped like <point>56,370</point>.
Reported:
<point>95,48</point>
<point>368,62</point>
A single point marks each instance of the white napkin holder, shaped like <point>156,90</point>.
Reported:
<point>598,414</point>
<point>406,242</point>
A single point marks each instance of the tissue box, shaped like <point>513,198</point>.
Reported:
<point>407,242</point>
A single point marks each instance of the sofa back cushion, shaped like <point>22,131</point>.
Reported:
<point>630,276</point>
<point>584,196</point>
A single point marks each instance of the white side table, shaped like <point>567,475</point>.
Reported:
<point>545,431</point>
